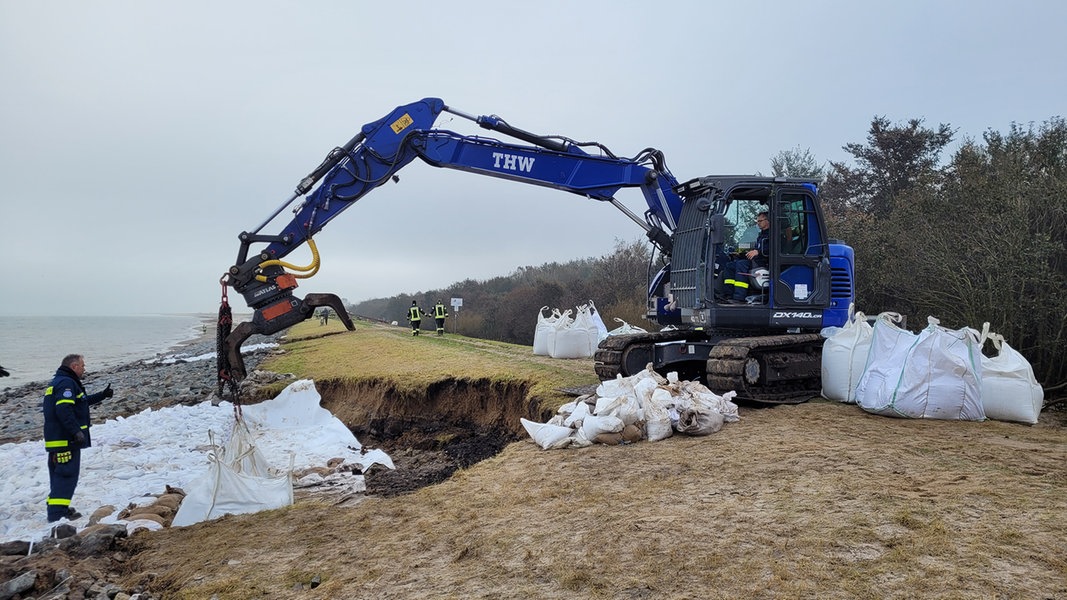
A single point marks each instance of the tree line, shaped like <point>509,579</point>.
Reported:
<point>505,308</point>
<point>975,236</point>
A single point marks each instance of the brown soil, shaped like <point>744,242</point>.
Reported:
<point>818,500</point>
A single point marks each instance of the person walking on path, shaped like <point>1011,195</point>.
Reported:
<point>439,314</point>
<point>66,432</point>
<point>415,316</point>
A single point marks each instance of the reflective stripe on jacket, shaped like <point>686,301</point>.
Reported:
<point>66,411</point>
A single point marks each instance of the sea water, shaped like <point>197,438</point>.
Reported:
<point>31,348</point>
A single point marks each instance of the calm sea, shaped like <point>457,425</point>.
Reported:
<point>31,348</point>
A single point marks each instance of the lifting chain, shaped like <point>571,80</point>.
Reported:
<point>225,324</point>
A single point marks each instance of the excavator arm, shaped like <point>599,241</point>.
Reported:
<point>376,154</point>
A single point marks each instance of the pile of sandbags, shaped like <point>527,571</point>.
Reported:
<point>561,336</point>
<point>645,406</point>
<point>937,373</point>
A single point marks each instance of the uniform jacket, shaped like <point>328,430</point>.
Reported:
<point>761,246</point>
<point>439,311</point>
<point>66,411</point>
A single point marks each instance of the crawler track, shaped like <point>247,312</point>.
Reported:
<point>773,369</point>
<point>628,354</point>
<point>776,369</point>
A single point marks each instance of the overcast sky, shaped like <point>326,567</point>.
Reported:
<point>138,139</point>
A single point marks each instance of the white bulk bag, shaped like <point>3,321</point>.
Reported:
<point>935,374</point>
<point>562,321</point>
<point>1010,392</point>
<point>574,339</point>
<point>545,329</point>
<point>239,480</point>
<point>601,329</point>
<point>844,356</point>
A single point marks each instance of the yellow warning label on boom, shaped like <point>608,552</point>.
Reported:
<point>402,123</point>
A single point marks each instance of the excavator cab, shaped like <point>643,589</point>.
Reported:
<point>718,223</point>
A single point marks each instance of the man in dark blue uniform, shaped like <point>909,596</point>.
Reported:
<point>66,432</point>
<point>755,257</point>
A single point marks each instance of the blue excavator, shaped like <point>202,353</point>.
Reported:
<point>767,348</point>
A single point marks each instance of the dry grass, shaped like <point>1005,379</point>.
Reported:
<point>391,355</point>
<point>818,500</point>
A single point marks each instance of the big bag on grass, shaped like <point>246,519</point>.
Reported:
<point>1010,392</point>
<point>935,374</point>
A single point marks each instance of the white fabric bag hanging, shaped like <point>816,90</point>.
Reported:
<point>935,374</point>
<point>239,480</point>
<point>1010,392</point>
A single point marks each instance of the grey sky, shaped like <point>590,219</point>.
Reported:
<point>137,139</point>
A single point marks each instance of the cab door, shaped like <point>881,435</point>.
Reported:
<point>800,261</point>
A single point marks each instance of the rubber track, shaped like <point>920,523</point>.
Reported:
<point>608,357</point>
<point>726,364</point>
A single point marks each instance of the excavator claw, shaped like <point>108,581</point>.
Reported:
<point>274,318</point>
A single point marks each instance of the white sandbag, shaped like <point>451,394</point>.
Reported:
<point>579,410</point>
<point>698,421</point>
<point>644,388</point>
<point>1010,392</point>
<point>844,355</point>
<point>935,374</point>
<point>657,419</point>
<point>585,319</point>
<point>620,386</point>
<point>625,407</point>
<point>594,425</point>
<point>625,328</point>
<point>544,330</point>
<point>545,435</point>
<point>702,397</point>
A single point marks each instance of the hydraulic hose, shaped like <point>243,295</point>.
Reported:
<point>302,272</point>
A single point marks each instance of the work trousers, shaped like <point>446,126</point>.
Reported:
<point>63,469</point>
<point>440,326</point>
<point>415,327</point>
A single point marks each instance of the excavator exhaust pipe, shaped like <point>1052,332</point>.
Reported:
<point>270,319</point>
